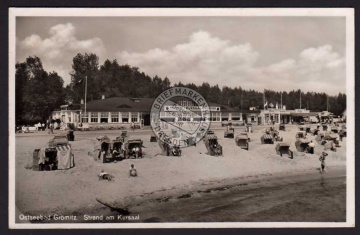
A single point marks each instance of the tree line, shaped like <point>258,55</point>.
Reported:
<point>39,92</point>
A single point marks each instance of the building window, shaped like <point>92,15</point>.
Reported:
<point>94,117</point>
<point>277,118</point>
<point>215,117</point>
<point>185,103</point>
<point>104,117</point>
<point>134,117</point>
<point>125,117</point>
<point>85,117</point>
<point>225,117</point>
<point>235,116</point>
<point>114,117</point>
<point>266,118</point>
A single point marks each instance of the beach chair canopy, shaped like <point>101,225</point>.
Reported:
<point>213,141</point>
<point>303,141</point>
<point>58,140</point>
<point>331,136</point>
<point>282,146</point>
<point>133,141</point>
<point>211,137</point>
<point>241,137</point>
<point>118,139</point>
<point>60,135</point>
<point>103,138</point>
<point>267,137</point>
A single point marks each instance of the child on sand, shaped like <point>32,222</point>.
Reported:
<point>105,176</point>
<point>133,171</point>
<point>322,160</point>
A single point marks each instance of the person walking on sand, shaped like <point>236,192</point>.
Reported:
<point>51,128</point>
<point>322,160</point>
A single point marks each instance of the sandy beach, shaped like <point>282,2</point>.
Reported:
<point>74,191</point>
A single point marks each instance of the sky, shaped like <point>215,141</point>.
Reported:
<point>277,53</point>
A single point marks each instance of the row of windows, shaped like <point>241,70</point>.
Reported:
<point>179,114</point>
<point>185,103</point>
<point>104,117</point>
<point>215,116</point>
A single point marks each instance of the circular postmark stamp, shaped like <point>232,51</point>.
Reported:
<point>180,116</point>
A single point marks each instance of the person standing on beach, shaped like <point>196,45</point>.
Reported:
<point>311,147</point>
<point>322,160</point>
<point>51,128</point>
<point>341,135</point>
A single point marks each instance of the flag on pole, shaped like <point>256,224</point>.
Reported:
<point>277,106</point>
<point>266,104</point>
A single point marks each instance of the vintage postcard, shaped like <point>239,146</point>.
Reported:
<point>181,118</point>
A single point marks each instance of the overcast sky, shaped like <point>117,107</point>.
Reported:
<point>278,53</point>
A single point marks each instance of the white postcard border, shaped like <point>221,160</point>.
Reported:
<point>199,12</point>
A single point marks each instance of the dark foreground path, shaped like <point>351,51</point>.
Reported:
<point>307,198</point>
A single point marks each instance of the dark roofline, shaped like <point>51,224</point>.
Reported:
<point>112,105</point>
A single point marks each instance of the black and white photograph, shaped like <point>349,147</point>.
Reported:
<point>181,118</point>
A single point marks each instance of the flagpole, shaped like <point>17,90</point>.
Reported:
<point>327,103</point>
<point>241,99</point>
<point>85,92</point>
<point>264,99</point>
<point>281,107</point>
<point>264,106</point>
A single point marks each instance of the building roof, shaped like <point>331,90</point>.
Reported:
<point>223,108</point>
<point>123,104</point>
<point>120,104</point>
<point>257,111</point>
<point>69,107</point>
<point>304,114</point>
